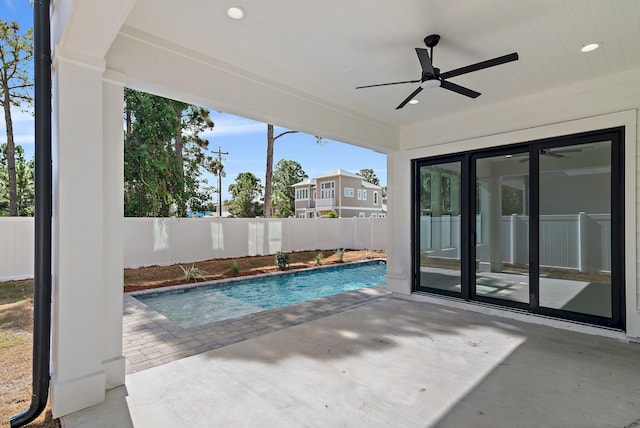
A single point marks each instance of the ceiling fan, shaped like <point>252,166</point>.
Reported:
<point>432,78</point>
<point>554,154</point>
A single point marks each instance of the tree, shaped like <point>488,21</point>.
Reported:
<point>245,196</point>
<point>269,172</point>
<point>25,188</point>
<point>164,156</point>
<point>369,176</point>
<point>286,174</point>
<point>16,53</point>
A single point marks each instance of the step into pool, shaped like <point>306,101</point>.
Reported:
<point>209,303</point>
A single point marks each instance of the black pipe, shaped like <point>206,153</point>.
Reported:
<point>43,201</point>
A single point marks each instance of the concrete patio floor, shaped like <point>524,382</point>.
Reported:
<point>389,363</point>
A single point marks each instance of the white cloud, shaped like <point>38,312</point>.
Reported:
<point>23,128</point>
<point>233,125</point>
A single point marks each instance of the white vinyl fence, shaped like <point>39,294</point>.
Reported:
<point>165,241</point>
<point>575,241</point>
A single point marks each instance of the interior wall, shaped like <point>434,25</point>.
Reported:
<point>588,106</point>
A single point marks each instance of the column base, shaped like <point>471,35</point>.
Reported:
<point>75,394</point>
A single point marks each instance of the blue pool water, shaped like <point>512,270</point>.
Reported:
<point>206,304</point>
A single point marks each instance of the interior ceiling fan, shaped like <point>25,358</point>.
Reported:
<point>432,78</point>
<point>552,153</point>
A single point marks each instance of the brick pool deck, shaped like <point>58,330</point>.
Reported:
<point>150,339</point>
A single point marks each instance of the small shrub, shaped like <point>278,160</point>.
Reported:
<point>282,260</point>
<point>317,257</point>
<point>340,254</point>
<point>193,272</point>
<point>235,269</point>
<point>332,214</point>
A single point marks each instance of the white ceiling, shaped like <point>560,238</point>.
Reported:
<point>326,48</point>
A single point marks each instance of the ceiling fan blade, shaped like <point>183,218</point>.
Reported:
<point>481,65</point>
<point>410,97</point>
<point>425,62</point>
<point>552,154</point>
<point>459,89</point>
<point>387,84</point>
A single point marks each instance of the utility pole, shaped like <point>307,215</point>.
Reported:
<point>220,174</point>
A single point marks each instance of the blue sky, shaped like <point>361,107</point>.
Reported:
<point>244,139</point>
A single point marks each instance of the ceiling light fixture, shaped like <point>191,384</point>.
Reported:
<point>414,101</point>
<point>590,47</point>
<point>431,83</point>
<point>235,12</point>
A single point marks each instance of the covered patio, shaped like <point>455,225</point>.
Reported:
<point>296,65</point>
<point>388,363</point>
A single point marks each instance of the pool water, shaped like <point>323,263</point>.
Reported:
<point>202,305</point>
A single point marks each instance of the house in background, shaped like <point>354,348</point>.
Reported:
<point>345,193</point>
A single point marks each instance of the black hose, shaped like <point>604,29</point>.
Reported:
<point>43,201</point>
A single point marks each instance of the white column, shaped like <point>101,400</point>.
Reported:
<point>113,361</point>
<point>87,242</point>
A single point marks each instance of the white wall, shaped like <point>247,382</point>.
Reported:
<point>599,104</point>
<point>166,241</point>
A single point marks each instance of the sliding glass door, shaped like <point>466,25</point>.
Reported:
<point>501,228</point>
<point>535,226</point>
<point>579,199</point>
<point>438,224</point>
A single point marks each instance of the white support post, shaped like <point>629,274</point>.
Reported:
<point>87,234</point>
<point>582,242</point>
<point>113,361</point>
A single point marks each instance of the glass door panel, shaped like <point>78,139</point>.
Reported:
<point>439,227</point>
<point>502,228</point>
<point>575,228</point>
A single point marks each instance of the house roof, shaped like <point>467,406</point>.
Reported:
<point>307,182</point>
<point>335,173</point>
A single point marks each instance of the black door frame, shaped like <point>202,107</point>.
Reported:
<point>468,233</point>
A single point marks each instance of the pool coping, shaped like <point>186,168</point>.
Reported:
<point>150,339</point>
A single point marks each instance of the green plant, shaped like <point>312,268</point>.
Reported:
<point>317,257</point>
<point>193,272</point>
<point>340,254</point>
<point>234,267</point>
<point>282,260</point>
<point>332,214</point>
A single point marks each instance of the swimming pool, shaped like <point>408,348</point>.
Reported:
<point>209,303</point>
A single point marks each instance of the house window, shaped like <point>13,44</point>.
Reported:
<point>362,194</point>
<point>327,190</point>
<point>302,194</point>
<point>361,215</point>
<point>348,192</point>
<point>375,198</point>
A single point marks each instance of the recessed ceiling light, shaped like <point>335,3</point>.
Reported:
<point>590,47</point>
<point>414,101</point>
<point>235,12</point>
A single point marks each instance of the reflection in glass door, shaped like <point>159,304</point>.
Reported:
<point>501,228</point>
<point>438,225</point>
<point>575,228</point>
